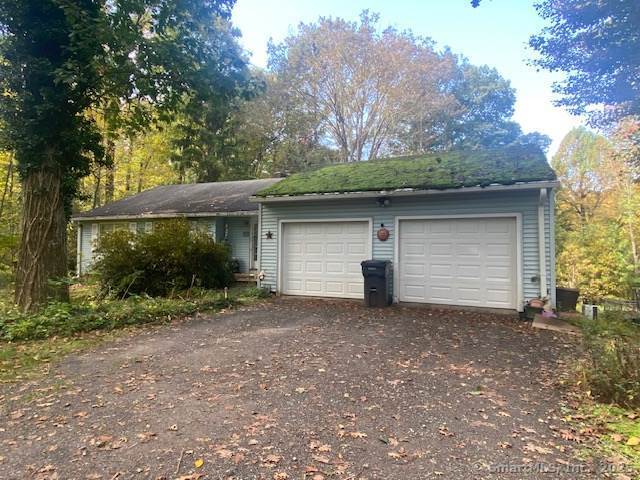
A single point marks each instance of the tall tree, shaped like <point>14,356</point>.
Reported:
<point>360,81</point>
<point>51,54</point>
<point>480,116</point>
<point>596,43</point>
<point>582,166</point>
<point>59,58</point>
<point>273,134</point>
<point>597,218</point>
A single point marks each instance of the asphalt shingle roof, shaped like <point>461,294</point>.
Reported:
<point>198,198</point>
<point>439,171</point>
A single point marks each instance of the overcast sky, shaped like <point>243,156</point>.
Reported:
<point>495,34</point>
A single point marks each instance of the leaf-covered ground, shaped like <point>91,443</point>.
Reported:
<point>293,389</point>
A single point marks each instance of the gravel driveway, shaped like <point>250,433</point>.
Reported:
<point>299,388</point>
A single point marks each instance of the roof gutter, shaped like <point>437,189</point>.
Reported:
<point>408,192</point>
<point>149,216</point>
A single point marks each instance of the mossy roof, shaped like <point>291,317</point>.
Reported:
<point>439,171</point>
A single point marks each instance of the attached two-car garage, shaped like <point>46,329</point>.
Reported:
<point>455,261</point>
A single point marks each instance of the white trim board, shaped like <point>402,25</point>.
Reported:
<point>519,259</point>
<point>282,222</point>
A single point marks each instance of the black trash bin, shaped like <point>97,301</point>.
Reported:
<point>377,282</point>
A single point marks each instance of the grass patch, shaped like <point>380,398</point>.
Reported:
<point>30,342</point>
<point>608,400</point>
<point>616,430</point>
<point>25,360</point>
<point>442,170</point>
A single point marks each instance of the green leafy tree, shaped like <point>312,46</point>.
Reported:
<point>596,44</point>
<point>49,76</point>
<point>273,134</point>
<point>480,116</point>
<point>597,214</point>
<point>60,57</point>
<point>582,166</point>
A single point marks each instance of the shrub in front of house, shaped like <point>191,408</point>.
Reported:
<point>611,369</point>
<point>169,259</point>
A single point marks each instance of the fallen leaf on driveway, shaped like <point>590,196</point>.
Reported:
<point>199,463</point>
<point>193,476</point>
<point>321,458</point>
<point>530,447</point>
<point>399,454</point>
<point>273,459</point>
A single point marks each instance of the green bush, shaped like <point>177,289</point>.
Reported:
<point>169,259</point>
<point>611,369</point>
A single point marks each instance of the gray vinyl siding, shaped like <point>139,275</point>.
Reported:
<point>239,238</point>
<point>524,202</point>
<point>86,249</point>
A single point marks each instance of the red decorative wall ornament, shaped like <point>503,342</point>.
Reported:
<point>383,233</point>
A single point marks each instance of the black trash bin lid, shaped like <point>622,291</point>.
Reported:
<point>374,263</point>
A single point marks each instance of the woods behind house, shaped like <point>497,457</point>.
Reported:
<point>128,100</point>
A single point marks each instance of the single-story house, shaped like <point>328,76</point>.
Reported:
<point>223,209</point>
<point>469,228</point>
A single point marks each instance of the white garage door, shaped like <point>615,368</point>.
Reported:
<point>323,258</point>
<point>465,261</point>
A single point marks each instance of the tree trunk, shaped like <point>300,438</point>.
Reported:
<point>96,188</point>
<point>42,258</point>
<point>127,158</point>
<point>109,181</point>
<point>6,192</point>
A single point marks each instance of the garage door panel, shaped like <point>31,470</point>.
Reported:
<point>437,228</point>
<point>438,249</point>
<point>313,248</point>
<point>493,226</point>
<point>337,288</point>
<point>497,273</point>
<point>475,264</point>
<point>356,249</point>
<point>332,255</point>
<point>469,272</point>
<point>467,227</point>
<point>335,249</point>
<point>294,285</point>
<point>334,268</point>
<point>313,267</point>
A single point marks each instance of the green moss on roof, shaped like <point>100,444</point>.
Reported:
<point>456,169</point>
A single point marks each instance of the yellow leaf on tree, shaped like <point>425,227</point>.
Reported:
<point>199,463</point>
<point>633,441</point>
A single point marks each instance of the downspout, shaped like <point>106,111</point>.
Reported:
<point>552,246</point>
<point>542,257</point>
